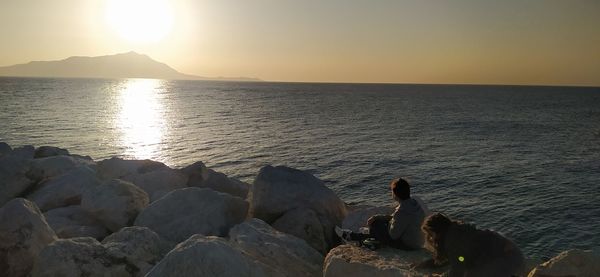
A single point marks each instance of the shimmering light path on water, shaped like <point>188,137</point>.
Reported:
<point>524,161</point>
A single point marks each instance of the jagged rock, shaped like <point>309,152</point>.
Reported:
<point>350,260</point>
<point>5,148</point>
<point>303,223</point>
<point>80,257</point>
<point>277,190</point>
<point>358,215</point>
<point>159,182</point>
<point>13,176</point>
<point>279,254</point>
<point>573,262</point>
<point>115,203</point>
<point>201,176</point>
<point>139,245</point>
<point>117,168</point>
<point>23,234</point>
<point>64,190</point>
<point>205,256</point>
<point>49,151</point>
<point>188,211</point>
<point>73,221</point>
<point>46,168</point>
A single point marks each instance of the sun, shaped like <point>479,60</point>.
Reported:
<point>140,21</point>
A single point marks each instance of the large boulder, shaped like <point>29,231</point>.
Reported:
<point>115,203</point>
<point>573,262</point>
<point>358,215</point>
<point>351,260</point>
<point>279,254</point>
<point>13,176</point>
<point>157,183</point>
<point>185,212</point>
<point>49,151</point>
<point>23,234</point>
<point>80,257</point>
<point>205,256</point>
<point>64,190</point>
<point>278,190</point>
<point>117,168</point>
<point>46,168</point>
<point>305,224</point>
<point>73,221</point>
<point>23,152</point>
<point>201,176</point>
<point>140,246</point>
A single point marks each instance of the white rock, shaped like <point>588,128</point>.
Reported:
<point>185,212</point>
<point>350,260</point>
<point>115,203</point>
<point>201,176</point>
<point>117,168</point>
<point>23,234</point>
<point>49,151</point>
<point>205,256</point>
<point>157,183</point>
<point>73,221</point>
<point>279,254</point>
<point>139,245</point>
<point>80,257</point>
<point>358,215</point>
<point>277,190</point>
<point>64,190</point>
<point>304,223</point>
<point>46,168</point>
<point>13,178</point>
<point>573,262</point>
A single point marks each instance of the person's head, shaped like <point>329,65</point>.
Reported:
<point>400,189</point>
<point>434,229</point>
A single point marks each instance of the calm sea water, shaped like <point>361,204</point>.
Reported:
<point>524,161</point>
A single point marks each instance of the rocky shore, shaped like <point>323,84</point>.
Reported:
<point>68,215</point>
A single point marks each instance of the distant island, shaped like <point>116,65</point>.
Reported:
<point>123,65</point>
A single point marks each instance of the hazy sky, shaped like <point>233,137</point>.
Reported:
<point>420,41</point>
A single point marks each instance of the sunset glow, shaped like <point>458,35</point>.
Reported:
<point>140,21</point>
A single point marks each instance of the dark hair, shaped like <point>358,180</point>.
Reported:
<point>401,188</point>
<point>434,230</point>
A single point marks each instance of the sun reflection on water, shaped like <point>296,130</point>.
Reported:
<point>141,118</point>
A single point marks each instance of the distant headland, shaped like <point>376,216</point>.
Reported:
<point>123,65</point>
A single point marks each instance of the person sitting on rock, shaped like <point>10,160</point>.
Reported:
<point>468,250</point>
<point>402,229</point>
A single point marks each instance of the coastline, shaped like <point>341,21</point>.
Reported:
<point>138,217</point>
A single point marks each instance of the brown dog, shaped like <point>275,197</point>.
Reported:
<point>469,251</point>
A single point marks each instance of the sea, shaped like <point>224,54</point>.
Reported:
<point>520,160</point>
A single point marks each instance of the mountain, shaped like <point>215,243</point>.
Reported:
<point>124,65</point>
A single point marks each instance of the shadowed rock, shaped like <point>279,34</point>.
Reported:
<point>278,253</point>
<point>185,212</point>
<point>45,168</point>
<point>23,234</point>
<point>279,190</point>
<point>206,256</point>
<point>115,203</point>
<point>13,176</point>
<point>350,260</point>
<point>201,176</point>
<point>49,151</point>
<point>64,190</point>
<point>573,262</point>
<point>140,246</point>
<point>80,257</point>
<point>159,182</point>
<point>73,221</point>
<point>117,168</point>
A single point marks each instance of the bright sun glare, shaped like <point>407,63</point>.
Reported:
<point>140,21</point>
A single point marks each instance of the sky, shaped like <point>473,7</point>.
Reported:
<point>545,42</point>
